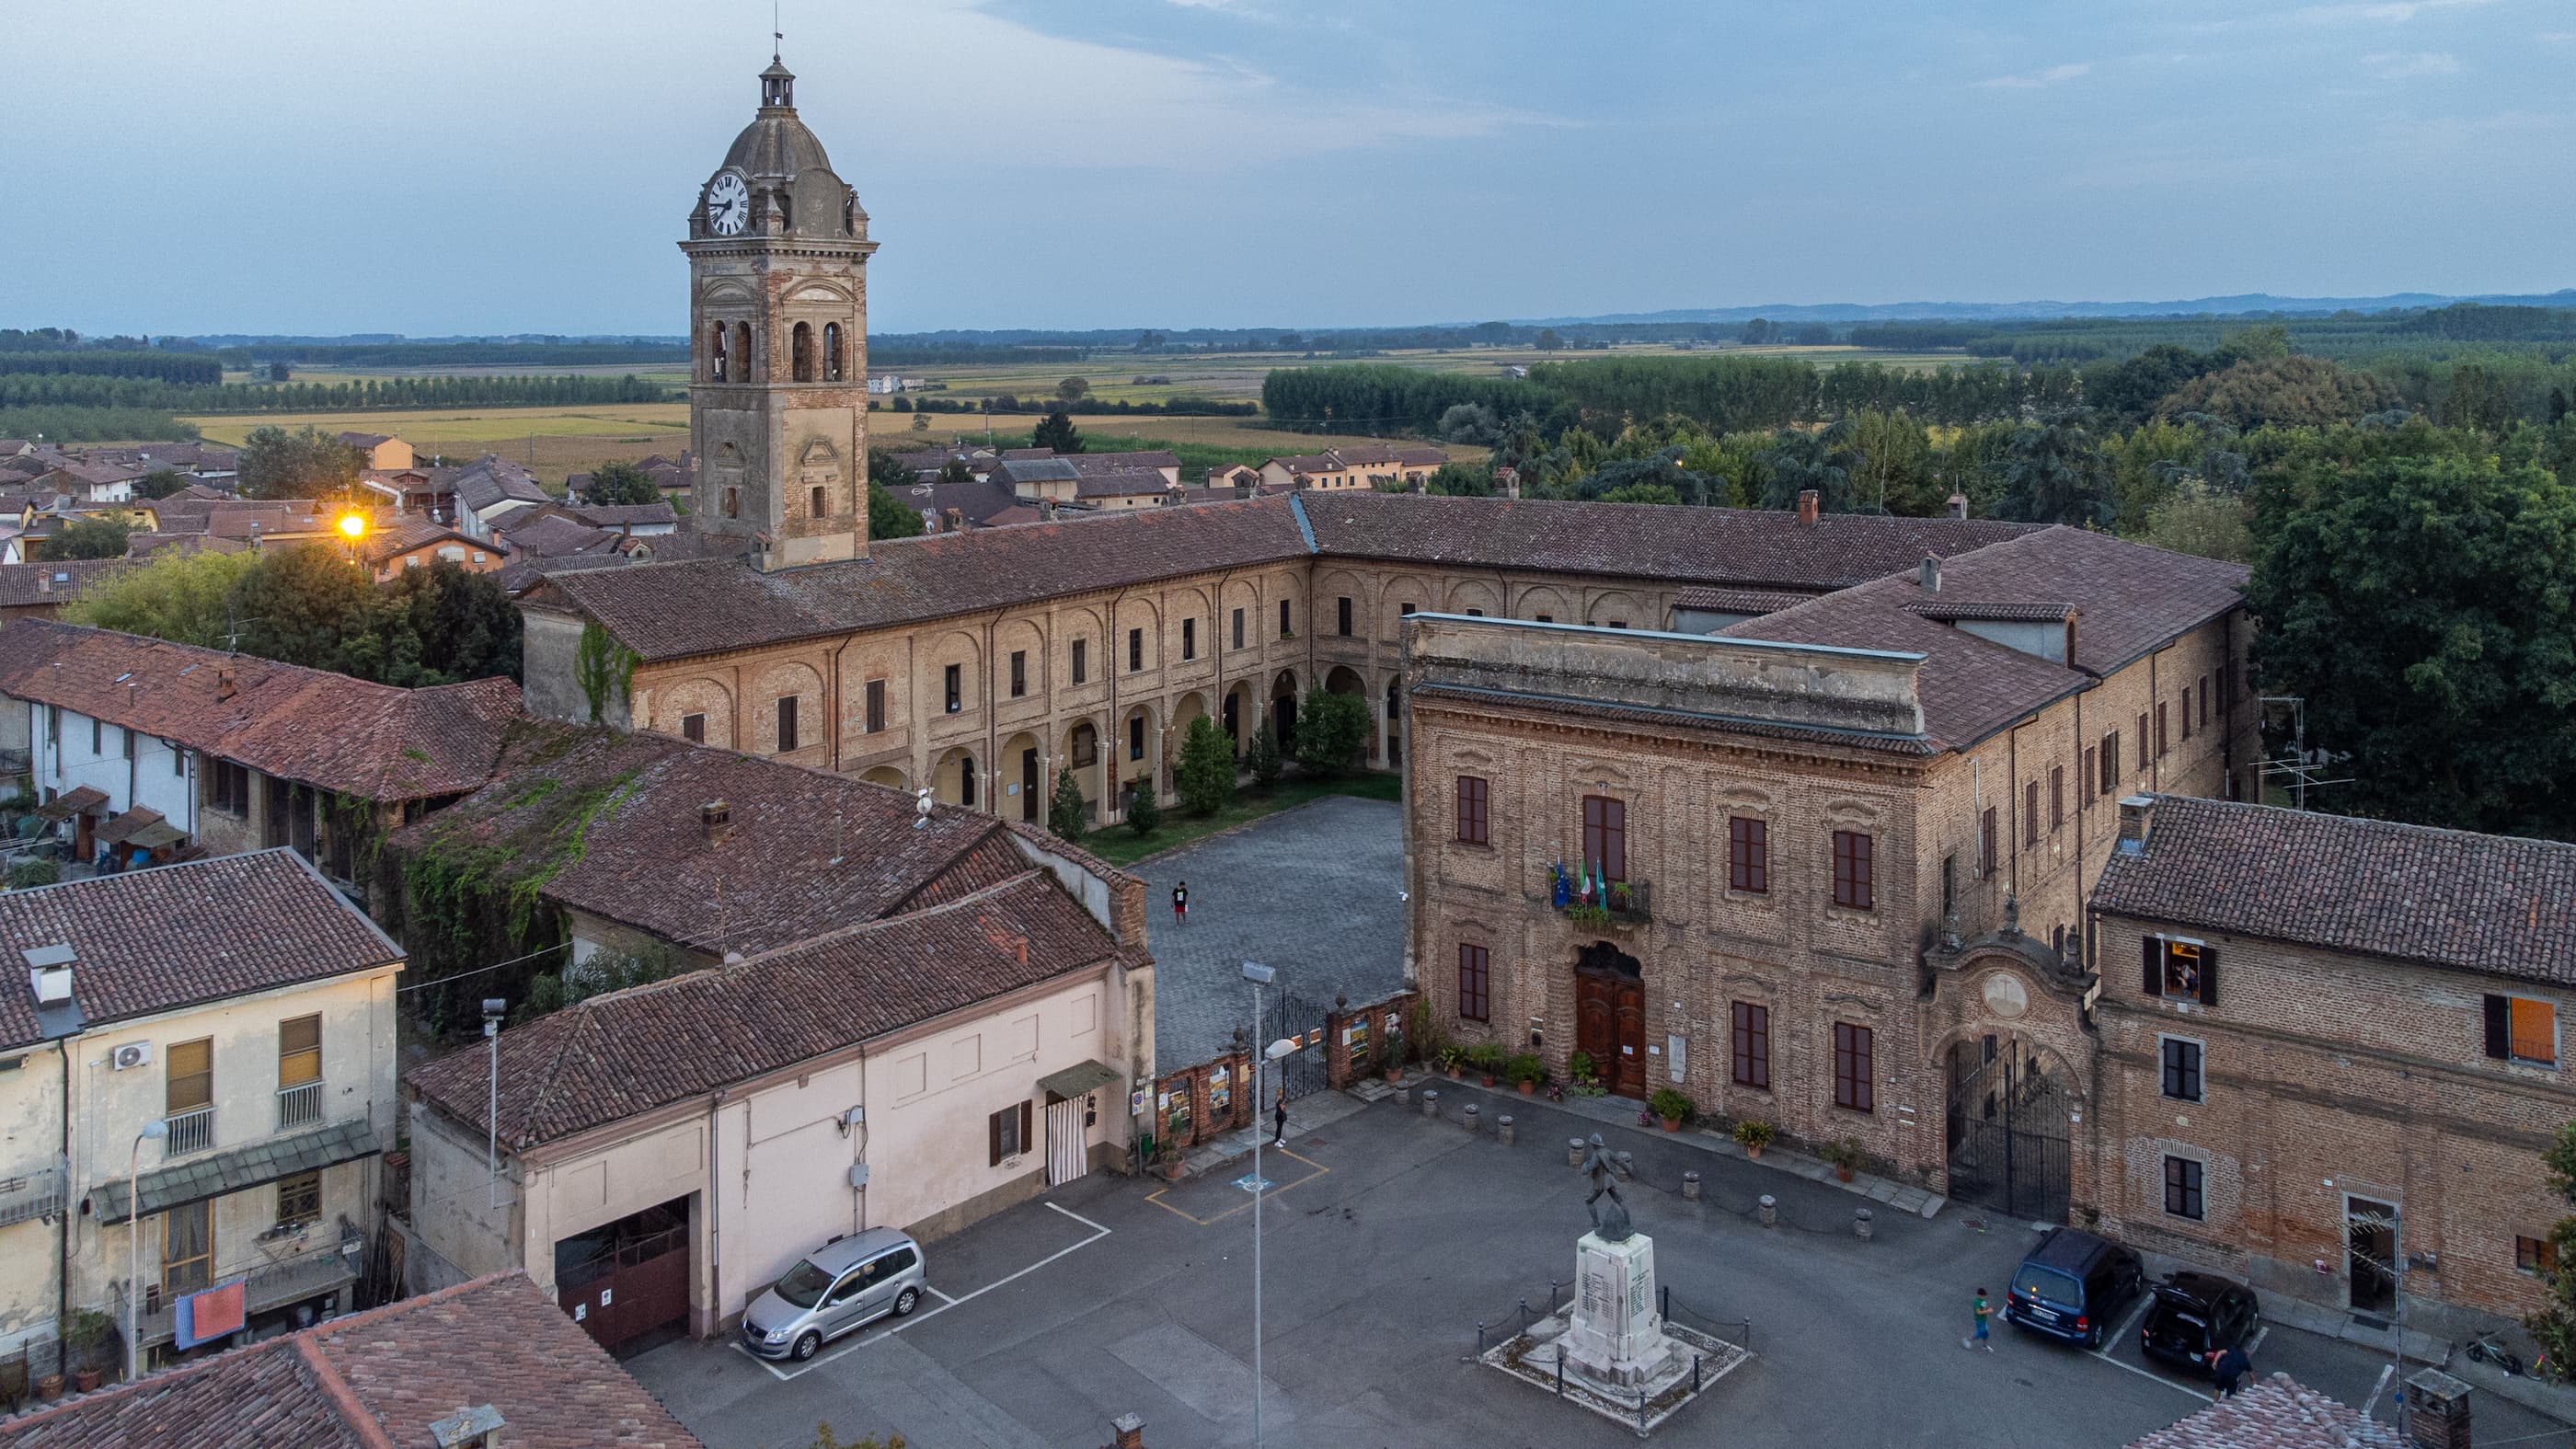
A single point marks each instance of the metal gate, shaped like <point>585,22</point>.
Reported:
<point>2008,1132</point>
<point>1292,1017</point>
<point>633,1279</point>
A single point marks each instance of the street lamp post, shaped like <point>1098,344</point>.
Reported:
<point>1259,976</point>
<point>157,1131</point>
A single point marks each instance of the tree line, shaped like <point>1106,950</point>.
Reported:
<point>170,367</point>
<point>1183,406</point>
<point>29,389</point>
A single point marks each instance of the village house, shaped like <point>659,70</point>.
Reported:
<point>417,542</point>
<point>39,590</point>
<point>382,451</point>
<point>876,1023</point>
<point>157,748</point>
<point>2330,1045</point>
<point>218,1036</point>
<point>489,490</point>
<point>1383,466</point>
<point>485,1363</point>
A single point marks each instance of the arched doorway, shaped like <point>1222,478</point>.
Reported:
<point>1082,760</point>
<point>1238,704</point>
<point>956,780</point>
<point>1394,727</point>
<point>2008,1126</point>
<point>1283,710</point>
<point>1610,1016</point>
<point>890,776</point>
<point>1021,784</point>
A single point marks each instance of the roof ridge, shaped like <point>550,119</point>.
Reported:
<point>926,913</point>
<point>343,1399</point>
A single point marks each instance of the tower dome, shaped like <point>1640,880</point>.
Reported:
<point>779,172</point>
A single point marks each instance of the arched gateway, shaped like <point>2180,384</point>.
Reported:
<point>2013,1049</point>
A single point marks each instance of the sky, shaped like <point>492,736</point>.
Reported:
<point>490,166</point>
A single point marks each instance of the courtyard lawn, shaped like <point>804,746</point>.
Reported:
<point>1119,845</point>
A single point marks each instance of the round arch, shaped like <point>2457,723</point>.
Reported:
<point>890,776</point>
<point>1283,710</point>
<point>1081,758</point>
<point>958,779</point>
<point>1020,790</point>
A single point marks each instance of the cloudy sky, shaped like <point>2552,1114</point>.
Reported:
<point>501,165</point>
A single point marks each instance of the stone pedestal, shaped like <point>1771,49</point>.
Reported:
<point>1615,1335</point>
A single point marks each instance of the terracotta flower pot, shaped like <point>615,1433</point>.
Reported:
<point>1395,1074</point>
<point>1172,1170</point>
<point>50,1386</point>
<point>1842,1174</point>
<point>88,1379</point>
<point>1527,1088</point>
<point>1485,1078</point>
<point>1454,1073</point>
<point>1753,1152</point>
<point>1672,1124</point>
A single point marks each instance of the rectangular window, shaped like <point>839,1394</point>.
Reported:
<point>1284,630</point>
<point>693,728</point>
<point>2161,742</point>
<point>1471,810</point>
<point>1949,883</point>
<point>1475,1002</point>
<point>1547,618</point>
<point>2182,1070</point>
<point>1852,1068</point>
<point>1853,889</point>
<point>1189,638</point>
<point>1605,836</point>
<point>1986,844</point>
<point>227,787</point>
<point>2186,712</point>
<point>191,1077</point>
<point>299,1199</point>
<point>1238,628</point>
<point>188,1248</point>
<point>876,706</point>
<point>1135,650</point>
<point>2110,765</point>
<point>1405,609</point>
<point>2030,813</point>
<point>1752,1046</point>
<point>1081,660</point>
<point>1019,673</point>
<point>2091,772</point>
<point>1136,737</point>
<point>54,726</point>
<point>96,744</point>
<point>2521,1029</point>
<point>1007,1132</point>
<point>952,683</point>
<point>2204,701</point>
<point>125,742</point>
<point>299,1051</point>
<point>1342,616</point>
<point>1748,854</point>
<point>786,723</point>
<point>2145,756</point>
<point>2182,1188</point>
<point>2535,1255</point>
<point>178,760</point>
<point>2056,797</point>
<point>2180,970</point>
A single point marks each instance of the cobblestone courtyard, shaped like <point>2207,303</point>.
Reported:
<point>1310,892</point>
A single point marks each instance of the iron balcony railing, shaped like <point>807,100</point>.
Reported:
<point>35,1193</point>
<point>299,1105</point>
<point>190,1132</point>
<point>1622,903</point>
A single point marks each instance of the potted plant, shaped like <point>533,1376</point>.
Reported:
<point>1526,1071</point>
<point>1394,1063</point>
<point>1669,1106</point>
<point>1846,1156</point>
<point>85,1335</point>
<point>1452,1061</point>
<point>1167,1160</point>
<point>1753,1134</point>
<point>1487,1060</point>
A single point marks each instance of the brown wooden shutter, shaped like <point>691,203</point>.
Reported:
<point>1025,1137</point>
<point>2499,1027</point>
<point>2155,954</point>
<point>2209,975</point>
<point>993,1132</point>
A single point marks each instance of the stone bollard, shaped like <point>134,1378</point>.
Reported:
<point>1503,1130</point>
<point>1690,1187</point>
<point>1473,1116</point>
<point>1860,1225</point>
<point>1430,1104</point>
<point>1770,1211</point>
<point>1404,1095</point>
<point>1574,1152</point>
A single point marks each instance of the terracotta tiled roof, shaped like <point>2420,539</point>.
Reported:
<point>371,741</point>
<point>1947,610</point>
<point>554,536</point>
<point>2499,905</point>
<point>978,502</point>
<point>2276,1413</point>
<point>489,480</point>
<point>617,515</point>
<point>630,1051</point>
<point>176,935</point>
<point>1738,601</point>
<point>1122,483</point>
<point>645,861</point>
<point>381,1378</point>
<point>54,583</point>
<point>404,535</point>
<point>1088,464</point>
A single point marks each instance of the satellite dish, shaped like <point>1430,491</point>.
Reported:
<point>920,809</point>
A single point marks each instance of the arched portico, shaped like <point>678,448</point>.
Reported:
<point>1019,786</point>
<point>1081,757</point>
<point>959,780</point>
<point>890,776</point>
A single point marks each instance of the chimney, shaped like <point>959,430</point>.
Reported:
<point>224,688</point>
<point>715,819</point>
<point>1958,505</point>
<point>2137,814</point>
<point>1807,503</point>
<point>1046,510</point>
<point>1929,575</point>
<point>476,1428</point>
<point>49,975</point>
<point>1130,1429</point>
<point>952,520</point>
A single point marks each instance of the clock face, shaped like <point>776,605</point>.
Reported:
<point>728,204</point>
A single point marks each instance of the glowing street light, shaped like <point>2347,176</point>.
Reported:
<point>353,526</point>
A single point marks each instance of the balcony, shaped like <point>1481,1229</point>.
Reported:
<point>299,1105</point>
<point>35,1193</point>
<point>326,1268</point>
<point>190,1132</point>
<point>1625,904</point>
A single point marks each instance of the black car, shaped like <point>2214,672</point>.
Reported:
<point>2072,1286</point>
<point>2196,1315</point>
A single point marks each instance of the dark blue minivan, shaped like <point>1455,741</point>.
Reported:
<point>2073,1285</point>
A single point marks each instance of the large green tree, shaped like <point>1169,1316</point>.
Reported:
<point>889,516</point>
<point>2425,610</point>
<point>185,598</point>
<point>622,482</point>
<point>99,535</point>
<point>1332,731</point>
<point>2054,474</point>
<point>1057,431</point>
<point>1819,460</point>
<point>303,464</point>
<point>2554,1326</point>
<point>2279,391</point>
<point>1205,778</point>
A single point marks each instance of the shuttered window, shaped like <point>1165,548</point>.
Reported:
<point>1986,848</point>
<point>191,1076</point>
<point>1752,1045</point>
<point>299,1199</point>
<point>1748,854</point>
<point>1471,810</point>
<point>2179,970</point>
<point>786,724</point>
<point>1853,886</point>
<point>2056,797</point>
<point>1475,984</point>
<point>2182,1188</point>
<point>2521,1029</point>
<point>2144,755</point>
<point>2030,813</point>
<point>299,1051</point>
<point>188,1248</point>
<point>1605,836</point>
<point>1007,1133</point>
<point>1853,1067</point>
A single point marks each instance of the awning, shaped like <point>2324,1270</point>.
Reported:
<point>130,823</point>
<point>1079,1081</point>
<point>153,837</point>
<point>218,1173</point>
<point>64,807</point>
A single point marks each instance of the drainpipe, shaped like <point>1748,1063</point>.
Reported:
<point>715,1207</point>
<point>992,744</point>
<point>63,1222</point>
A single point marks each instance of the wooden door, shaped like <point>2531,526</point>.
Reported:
<point>1596,1031</point>
<point>1628,1072</point>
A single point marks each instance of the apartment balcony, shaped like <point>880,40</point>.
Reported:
<point>35,1193</point>
<point>1624,904</point>
<point>299,1105</point>
<point>329,1267</point>
<point>190,1132</point>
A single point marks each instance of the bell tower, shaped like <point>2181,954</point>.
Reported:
<point>778,325</point>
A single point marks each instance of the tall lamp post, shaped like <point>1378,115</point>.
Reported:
<point>1259,976</point>
<point>156,1131</point>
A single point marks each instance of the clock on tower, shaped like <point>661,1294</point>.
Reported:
<point>778,306</point>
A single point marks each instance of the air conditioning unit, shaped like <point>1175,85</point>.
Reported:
<point>132,1054</point>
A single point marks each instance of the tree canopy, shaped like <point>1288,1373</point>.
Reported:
<point>622,482</point>
<point>99,535</point>
<point>1057,431</point>
<point>303,464</point>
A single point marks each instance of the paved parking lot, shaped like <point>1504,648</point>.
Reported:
<point>1386,1238</point>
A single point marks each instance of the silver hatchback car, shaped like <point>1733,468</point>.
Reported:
<point>841,1286</point>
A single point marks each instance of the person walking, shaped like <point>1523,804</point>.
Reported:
<point>1180,901</point>
<point>1981,1338</point>
<point>2228,1369</point>
<point>1279,1120</point>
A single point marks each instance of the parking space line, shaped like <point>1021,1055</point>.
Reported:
<point>2386,1372</point>
<point>1156,1197</point>
<point>2122,1335</point>
<point>857,1341</point>
<point>2157,1377</point>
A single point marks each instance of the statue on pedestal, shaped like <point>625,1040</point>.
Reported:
<point>1609,1220</point>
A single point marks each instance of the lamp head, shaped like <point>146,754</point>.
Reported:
<point>1280,1048</point>
<point>353,525</point>
<point>156,1130</point>
<point>1257,974</point>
